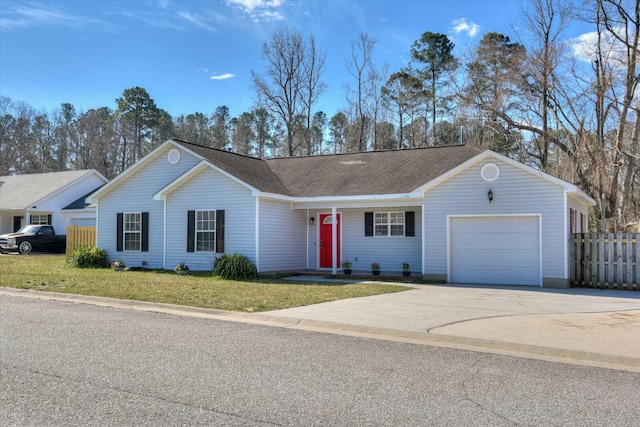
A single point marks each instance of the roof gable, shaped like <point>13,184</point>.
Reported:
<point>26,191</point>
<point>568,187</point>
<point>250,170</point>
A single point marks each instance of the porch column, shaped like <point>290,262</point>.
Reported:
<point>334,241</point>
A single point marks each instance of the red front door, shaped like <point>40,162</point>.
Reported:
<point>326,240</point>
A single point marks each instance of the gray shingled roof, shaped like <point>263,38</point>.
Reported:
<point>254,172</point>
<point>24,191</point>
<point>368,173</point>
<point>81,202</point>
<point>352,174</point>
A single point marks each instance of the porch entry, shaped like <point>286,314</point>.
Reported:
<point>326,240</point>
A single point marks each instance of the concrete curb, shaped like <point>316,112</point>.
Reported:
<point>446,341</point>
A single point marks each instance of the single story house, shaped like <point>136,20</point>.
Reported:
<point>54,198</point>
<point>454,213</point>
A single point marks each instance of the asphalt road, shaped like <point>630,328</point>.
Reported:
<point>74,364</point>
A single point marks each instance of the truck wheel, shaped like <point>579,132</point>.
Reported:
<point>25,248</point>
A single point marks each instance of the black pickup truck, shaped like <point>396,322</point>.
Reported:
<point>33,238</point>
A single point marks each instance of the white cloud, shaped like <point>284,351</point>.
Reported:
<point>461,25</point>
<point>196,20</point>
<point>585,46</point>
<point>259,10</point>
<point>251,5</point>
<point>153,19</point>
<point>222,76</point>
<point>38,16</point>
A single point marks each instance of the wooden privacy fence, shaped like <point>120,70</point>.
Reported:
<point>605,260</point>
<point>79,236</point>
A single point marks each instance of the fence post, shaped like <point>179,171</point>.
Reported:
<point>580,260</point>
<point>637,260</point>
<point>619,261</point>
<point>629,258</point>
<point>594,260</point>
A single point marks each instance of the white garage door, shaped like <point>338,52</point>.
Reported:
<point>498,250</point>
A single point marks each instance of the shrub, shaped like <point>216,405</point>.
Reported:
<point>234,266</point>
<point>89,257</point>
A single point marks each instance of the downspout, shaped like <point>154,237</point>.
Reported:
<point>334,242</point>
<point>307,228</point>
<point>257,227</point>
<point>164,237</point>
<point>567,235</point>
<point>424,237</point>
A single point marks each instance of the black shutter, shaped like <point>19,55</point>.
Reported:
<point>145,232</point>
<point>409,224</point>
<point>191,230</point>
<point>119,231</point>
<point>49,219</point>
<point>219,232</point>
<point>368,223</point>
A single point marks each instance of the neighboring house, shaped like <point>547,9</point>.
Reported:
<point>454,213</point>
<point>55,198</point>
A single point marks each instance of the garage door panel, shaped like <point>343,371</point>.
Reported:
<point>499,250</point>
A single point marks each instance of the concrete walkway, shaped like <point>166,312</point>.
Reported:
<point>578,326</point>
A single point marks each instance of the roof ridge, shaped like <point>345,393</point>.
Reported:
<point>216,149</point>
<point>47,173</point>
<point>390,150</point>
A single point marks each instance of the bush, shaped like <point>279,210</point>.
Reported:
<point>234,266</point>
<point>89,257</point>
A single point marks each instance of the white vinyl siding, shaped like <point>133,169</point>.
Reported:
<point>515,192</point>
<point>59,200</point>
<point>135,194</point>
<point>210,190</point>
<point>362,250</point>
<point>282,236</point>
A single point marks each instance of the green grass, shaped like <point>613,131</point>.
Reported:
<point>198,289</point>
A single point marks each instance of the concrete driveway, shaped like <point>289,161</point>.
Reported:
<point>584,325</point>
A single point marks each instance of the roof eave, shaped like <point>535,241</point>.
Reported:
<point>337,199</point>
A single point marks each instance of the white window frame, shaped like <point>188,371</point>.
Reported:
<point>41,219</point>
<point>388,224</point>
<point>126,219</point>
<point>202,231</point>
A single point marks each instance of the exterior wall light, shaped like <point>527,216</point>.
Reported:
<point>490,196</point>
<point>312,220</point>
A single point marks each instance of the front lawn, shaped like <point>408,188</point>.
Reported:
<point>198,289</point>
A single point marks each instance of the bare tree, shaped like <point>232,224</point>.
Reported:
<point>360,67</point>
<point>291,83</point>
<point>617,65</point>
<point>312,87</point>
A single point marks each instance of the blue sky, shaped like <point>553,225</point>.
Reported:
<point>197,55</point>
